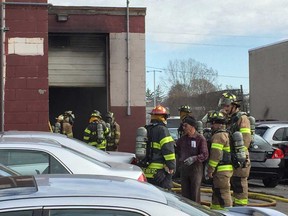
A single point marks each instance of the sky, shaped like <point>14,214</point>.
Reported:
<point>217,33</point>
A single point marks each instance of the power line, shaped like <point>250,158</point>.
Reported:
<point>227,76</point>
<point>215,35</point>
<point>206,44</point>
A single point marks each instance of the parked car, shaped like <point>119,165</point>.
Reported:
<point>77,145</point>
<point>174,133</point>
<point>29,156</point>
<point>87,195</point>
<point>274,132</point>
<point>267,162</point>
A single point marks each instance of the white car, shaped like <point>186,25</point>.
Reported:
<point>90,195</point>
<point>77,145</point>
<point>30,156</point>
<point>274,132</point>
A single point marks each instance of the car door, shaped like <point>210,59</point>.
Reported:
<point>31,162</point>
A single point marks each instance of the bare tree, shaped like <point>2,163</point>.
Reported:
<point>194,77</point>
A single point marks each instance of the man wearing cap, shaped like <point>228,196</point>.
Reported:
<point>192,150</point>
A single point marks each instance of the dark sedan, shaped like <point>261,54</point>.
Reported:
<point>267,162</point>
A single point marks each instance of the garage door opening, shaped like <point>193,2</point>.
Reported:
<point>82,101</point>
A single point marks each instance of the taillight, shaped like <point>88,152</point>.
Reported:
<point>134,161</point>
<point>142,178</point>
<point>278,153</point>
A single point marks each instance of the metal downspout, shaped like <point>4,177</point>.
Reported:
<point>2,70</point>
<point>128,64</point>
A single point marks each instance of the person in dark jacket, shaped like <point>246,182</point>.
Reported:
<point>96,132</point>
<point>160,150</point>
<point>192,152</point>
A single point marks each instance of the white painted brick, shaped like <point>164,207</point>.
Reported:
<point>26,46</point>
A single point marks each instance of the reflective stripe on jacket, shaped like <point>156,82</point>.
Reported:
<point>162,149</point>
<point>219,153</point>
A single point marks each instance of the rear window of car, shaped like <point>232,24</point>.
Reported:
<point>261,130</point>
<point>262,143</point>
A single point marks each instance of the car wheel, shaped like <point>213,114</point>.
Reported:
<point>271,182</point>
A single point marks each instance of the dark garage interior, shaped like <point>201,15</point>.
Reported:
<point>82,101</point>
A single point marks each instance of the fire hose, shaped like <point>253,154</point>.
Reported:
<point>269,200</point>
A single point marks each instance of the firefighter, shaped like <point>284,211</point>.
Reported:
<point>238,121</point>
<point>184,111</point>
<point>219,165</point>
<point>57,128</point>
<point>67,125</point>
<point>114,135</point>
<point>96,132</point>
<point>192,152</point>
<point>160,154</point>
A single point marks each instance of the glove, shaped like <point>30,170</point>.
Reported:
<point>207,174</point>
<point>160,175</point>
<point>190,160</point>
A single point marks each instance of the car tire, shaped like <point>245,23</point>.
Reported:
<point>271,182</point>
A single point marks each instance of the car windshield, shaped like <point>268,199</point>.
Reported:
<point>173,133</point>
<point>261,143</point>
<point>187,206</point>
<point>261,130</point>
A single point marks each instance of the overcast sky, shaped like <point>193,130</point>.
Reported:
<point>218,33</point>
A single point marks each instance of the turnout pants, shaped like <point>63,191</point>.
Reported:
<point>221,196</point>
<point>239,185</point>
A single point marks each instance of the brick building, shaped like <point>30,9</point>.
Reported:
<point>58,58</point>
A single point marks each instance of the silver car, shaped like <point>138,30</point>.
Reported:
<point>88,195</point>
<point>29,156</point>
<point>77,145</point>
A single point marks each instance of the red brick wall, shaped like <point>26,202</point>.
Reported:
<point>26,85</point>
<point>91,20</point>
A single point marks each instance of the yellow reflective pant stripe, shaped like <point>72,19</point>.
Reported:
<point>169,157</point>
<point>245,130</point>
<point>216,207</point>
<point>242,202</point>
<point>213,163</point>
<point>217,146</point>
<point>228,167</point>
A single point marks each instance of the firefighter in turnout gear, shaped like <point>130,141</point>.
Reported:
<point>114,136</point>
<point>96,132</point>
<point>219,165</point>
<point>57,128</point>
<point>184,111</point>
<point>160,160</point>
<point>238,121</point>
<point>67,124</point>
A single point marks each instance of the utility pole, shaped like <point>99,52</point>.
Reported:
<point>154,80</point>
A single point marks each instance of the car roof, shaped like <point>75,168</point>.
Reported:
<point>28,140</point>
<point>61,185</point>
<point>15,132</point>
<point>270,125</point>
